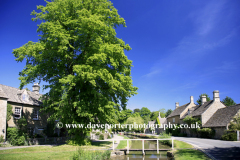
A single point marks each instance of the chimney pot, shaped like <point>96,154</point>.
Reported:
<point>36,88</point>
<point>203,99</point>
<point>216,95</point>
<point>191,99</point>
<point>177,104</point>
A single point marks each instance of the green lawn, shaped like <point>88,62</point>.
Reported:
<point>190,154</point>
<point>48,152</point>
<point>123,144</point>
<point>180,144</point>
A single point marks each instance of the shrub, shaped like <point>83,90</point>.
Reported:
<point>15,137</point>
<point>101,137</point>
<point>229,136</point>
<point>98,133</point>
<point>206,132</point>
<point>1,139</point>
<point>182,134</point>
<point>109,137</point>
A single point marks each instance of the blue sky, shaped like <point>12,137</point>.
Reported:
<point>179,48</point>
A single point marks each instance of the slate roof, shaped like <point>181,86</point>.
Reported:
<point>222,116</point>
<point>14,95</point>
<point>178,110</point>
<point>162,120</point>
<point>191,110</point>
<point>201,108</point>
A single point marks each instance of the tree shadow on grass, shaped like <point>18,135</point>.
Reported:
<point>101,144</point>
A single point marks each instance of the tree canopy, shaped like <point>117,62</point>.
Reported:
<point>199,99</point>
<point>169,111</point>
<point>81,59</point>
<point>228,101</point>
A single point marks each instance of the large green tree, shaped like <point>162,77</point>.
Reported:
<point>81,59</point>
<point>145,112</point>
<point>228,101</point>
<point>200,97</point>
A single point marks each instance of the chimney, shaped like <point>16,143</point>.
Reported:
<point>203,99</point>
<point>159,115</point>
<point>177,104</point>
<point>36,88</point>
<point>191,99</point>
<point>216,96</point>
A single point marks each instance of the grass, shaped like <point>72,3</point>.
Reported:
<point>184,154</point>
<point>49,152</point>
<point>180,144</point>
<point>123,144</point>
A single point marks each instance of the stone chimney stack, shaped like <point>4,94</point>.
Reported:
<point>36,88</point>
<point>216,96</point>
<point>191,99</point>
<point>177,104</point>
<point>203,99</point>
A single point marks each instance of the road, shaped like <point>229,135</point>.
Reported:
<point>217,149</point>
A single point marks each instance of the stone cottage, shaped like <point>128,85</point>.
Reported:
<point>221,119</point>
<point>24,104</point>
<point>205,110</point>
<point>180,111</point>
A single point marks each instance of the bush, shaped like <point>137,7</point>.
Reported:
<point>101,137</point>
<point>1,139</point>
<point>98,133</point>
<point>109,137</point>
<point>206,132</point>
<point>229,136</point>
<point>182,134</point>
<point>15,137</point>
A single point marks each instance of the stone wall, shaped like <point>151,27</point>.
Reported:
<point>177,121</point>
<point>211,110</point>
<point>3,117</point>
<point>27,111</point>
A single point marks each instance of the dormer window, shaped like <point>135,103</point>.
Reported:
<point>25,96</point>
<point>35,114</point>
<point>17,113</point>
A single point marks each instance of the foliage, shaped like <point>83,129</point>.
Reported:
<point>49,130</point>
<point>101,137</point>
<point>144,112</point>
<point>81,60</point>
<point>169,111</point>
<point>98,133</point>
<point>200,97</point>
<point>190,120</point>
<point>15,137</point>
<point>175,132</point>
<point>135,120</point>
<point>136,110</point>
<point>1,139</point>
<point>154,115</point>
<point>235,124</point>
<point>9,112</point>
<point>158,121</point>
<point>124,115</point>
<point>229,136</point>
<point>22,125</point>
<point>164,135</point>
<point>96,155</point>
<point>206,132</point>
<point>228,101</point>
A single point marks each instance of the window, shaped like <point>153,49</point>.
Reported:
<point>35,114</point>
<point>173,120</point>
<point>17,114</point>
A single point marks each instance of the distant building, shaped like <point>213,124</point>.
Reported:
<point>25,103</point>
<point>180,111</point>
